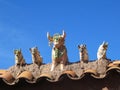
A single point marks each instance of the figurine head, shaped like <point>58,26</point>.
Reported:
<point>82,47</point>
<point>57,39</point>
<point>17,52</point>
<point>105,45</point>
<point>33,50</point>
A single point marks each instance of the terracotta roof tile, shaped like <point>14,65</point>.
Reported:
<point>94,72</point>
<point>71,73</point>
<point>6,76</point>
<point>26,74</point>
<point>113,68</point>
<point>47,76</point>
<point>115,63</point>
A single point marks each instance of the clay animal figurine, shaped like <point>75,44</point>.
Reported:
<point>59,51</point>
<point>36,58</point>
<point>101,54</point>
<point>19,60</point>
<point>83,53</point>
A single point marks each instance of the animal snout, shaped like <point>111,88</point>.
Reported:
<point>33,52</point>
<point>81,50</point>
<point>17,55</point>
<point>55,43</point>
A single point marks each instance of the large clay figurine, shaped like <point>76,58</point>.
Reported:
<point>59,51</point>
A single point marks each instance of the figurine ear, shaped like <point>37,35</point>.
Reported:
<point>63,34</point>
<point>49,37</point>
<point>30,49</point>
<point>78,46</point>
<point>36,47</point>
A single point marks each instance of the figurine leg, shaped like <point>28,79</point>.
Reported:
<point>16,62</point>
<point>52,67</point>
<point>61,66</point>
<point>82,65</point>
<point>33,61</point>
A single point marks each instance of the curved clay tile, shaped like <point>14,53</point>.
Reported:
<point>111,65</point>
<point>91,71</point>
<point>6,76</point>
<point>71,73</point>
<point>2,71</point>
<point>113,68</point>
<point>26,74</point>
<point>48,76</point>
<point>115,63</point>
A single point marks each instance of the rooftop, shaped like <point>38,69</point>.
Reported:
<point>75,71</point>
<point>96,75</point>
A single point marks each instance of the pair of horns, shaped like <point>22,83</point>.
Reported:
<point>84,45</point>
<point>33,47</point>
<point>17,50</point>
<point>51,38</point>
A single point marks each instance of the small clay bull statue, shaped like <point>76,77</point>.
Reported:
<point>59,51</point>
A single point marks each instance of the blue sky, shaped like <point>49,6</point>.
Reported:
<point>24,24</point>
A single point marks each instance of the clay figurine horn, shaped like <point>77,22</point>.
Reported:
<point>64,34</point>
<point>49,37</point>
